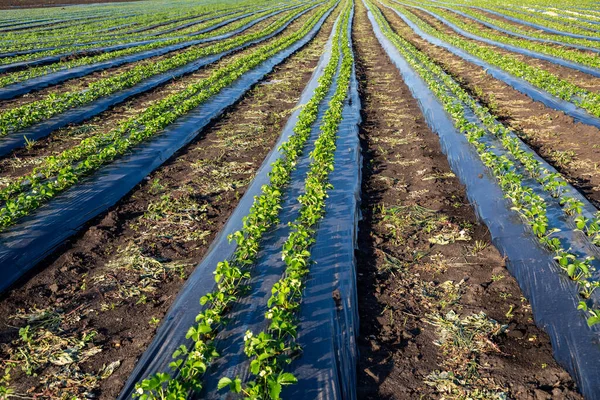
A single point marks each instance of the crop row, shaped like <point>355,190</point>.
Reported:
<point>146,19</point>
<point>25,51</point>
<point>552,21</point>
<point>71,165</point>
<point>230,274</point>
<point>530,205</point>
<point>271,350</point>
<point>134,41</point>
<point>179,43</point>
<point>31,113</point>
<point>474,13</point>
<point>565,53</point>
<point>588,100</point>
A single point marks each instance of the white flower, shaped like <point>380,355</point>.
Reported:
<point>262,373</point>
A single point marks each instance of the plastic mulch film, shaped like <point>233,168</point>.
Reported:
<point>520,35</point>
<point>77,115</point>
<point>35,237</point>
<point>555,60</point>
<point>172,334</point>
<point>563,14</point>
<point>552,295</point>
<point>329,312</point>
<point>577,113</point>
<point>182,314</point>
<point>538,26</point>
<point>53,22</point>
<point>17,89</point>
<point>173,21</point>
<point>109,48</point>
<point>249,312</point>
<point>120,46</point>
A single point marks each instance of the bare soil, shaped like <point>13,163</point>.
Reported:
<point>407,283</point>
<point>97,281</point>
<point>572,148</point>
<point>570,75</point>
<point>79,84</point>
<point>482,27</point>
<point>23,160</point>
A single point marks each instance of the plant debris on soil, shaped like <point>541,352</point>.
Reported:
<point>74,328</point>
<point>572,148</point>
<point>440,316</point>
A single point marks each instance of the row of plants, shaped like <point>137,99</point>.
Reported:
<point>141,19</point>
<point>59,172</point>
<point>565,15</point>
<point>179,43</point>
<point>53,45</point>
<point>138,27</point>
<point>272,350</point>
<point>564,53</point>
<point>137,41</point>
<point>30,113</point>
<point>230,274</point>
<point>474,13</point>
<point>588,100</point>
<point>551,21</point>
<point>33,15</point>
<point>530,205</point>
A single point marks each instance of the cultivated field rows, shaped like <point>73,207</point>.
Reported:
<point>300,199</point>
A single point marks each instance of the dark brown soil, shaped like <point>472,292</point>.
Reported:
<point>171,218</point>
<point>78,84</point>
<point>8,4</point>
<point>570,75</point>
<point>22,161</point>
<point>572,148</point>
<point>481,27</point>
<point>404,280</point>
<point>519,26</point>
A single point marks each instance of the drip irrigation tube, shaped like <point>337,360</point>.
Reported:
<point>18,89</point>
<point>74,116</point>
<point>577,113</point>
<point>553,297</point>
<point>555,60</point>
<point>181,316</point>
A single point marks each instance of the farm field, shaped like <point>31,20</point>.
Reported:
<point>299,199</point>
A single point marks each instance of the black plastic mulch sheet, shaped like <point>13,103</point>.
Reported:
<point>555,60</point>
<point>120,46</point>
<point>520,35</point>
<point>329,313</point>
<point>248,313</point>
<point>538,26</point>
<point>35,237</point>
<point>77,115</point>
<point>552,295</point>
<point>577,113</point>
<point>17,89</point>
